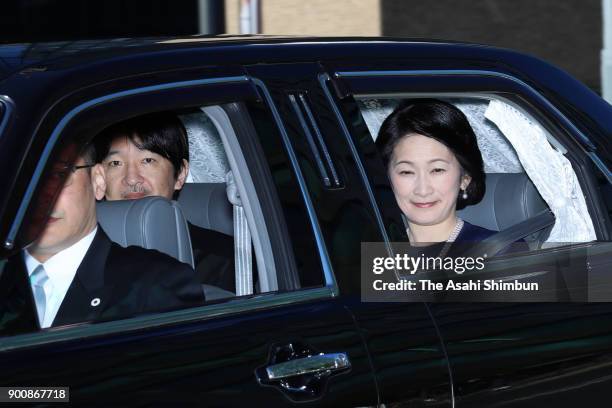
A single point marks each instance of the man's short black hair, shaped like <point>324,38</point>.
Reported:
<point>162,133</point>
<point>88,153</point>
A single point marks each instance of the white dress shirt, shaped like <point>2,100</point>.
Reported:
<point>61,269</point>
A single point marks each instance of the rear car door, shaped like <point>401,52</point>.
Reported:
<point>506,354</point>
<point>406,353</point>
<point>292,341</point>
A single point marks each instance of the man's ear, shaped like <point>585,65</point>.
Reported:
<point>182,176</point>
<point>98,179</point>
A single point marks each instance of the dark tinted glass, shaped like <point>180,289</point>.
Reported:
<point>294,210</point>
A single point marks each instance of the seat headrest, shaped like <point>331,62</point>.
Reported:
<point>150,222</point>
<point>206,205</point>
<point>509,199</point>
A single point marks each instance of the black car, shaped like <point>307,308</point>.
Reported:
<point>294,120</point>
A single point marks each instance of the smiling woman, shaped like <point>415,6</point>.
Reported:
<point>529,172</point>
<point>435,168</point>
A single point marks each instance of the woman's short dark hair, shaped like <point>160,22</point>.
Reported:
<point>162,133</point>
<point>445,123</point>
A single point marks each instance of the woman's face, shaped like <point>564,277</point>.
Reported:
<point>426,178</point>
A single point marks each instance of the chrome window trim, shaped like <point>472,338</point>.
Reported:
<point>192,315</point>
<point>78,109</point>
<point>330,279</point>
<point>9,107</point>
<point>310,139</point>
<point>322,143</point>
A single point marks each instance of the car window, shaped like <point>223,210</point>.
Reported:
<point>214,233</point>
<point>515,170</point>
<point>303,240</point>
<point>534,218</point>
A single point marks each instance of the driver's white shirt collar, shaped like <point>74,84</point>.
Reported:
<point>61,269</point>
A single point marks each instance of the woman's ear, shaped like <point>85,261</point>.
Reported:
<point>465,181</point>
<point>98,179</point>
<point>182,176</point>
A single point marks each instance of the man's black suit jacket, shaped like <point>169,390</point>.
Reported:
<point>213,255</point>
<point>127,281</point>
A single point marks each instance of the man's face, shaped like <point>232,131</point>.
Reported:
<point>73,215</point>
<point>132,173</point>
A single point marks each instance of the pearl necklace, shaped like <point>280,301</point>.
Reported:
<point>451,238</point>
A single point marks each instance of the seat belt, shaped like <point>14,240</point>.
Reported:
<point>243,270</point>
<point>496,242</point>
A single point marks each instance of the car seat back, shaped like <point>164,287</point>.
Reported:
<point>206,205</point>
<point>150,222</point>
<point>509,199</point>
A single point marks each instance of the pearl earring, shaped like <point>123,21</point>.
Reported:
<point>464,195</point>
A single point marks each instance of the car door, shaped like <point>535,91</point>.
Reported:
<point>292,342</point>
<point>404,345</point>
<point>505,354</point>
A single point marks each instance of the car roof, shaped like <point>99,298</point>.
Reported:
<point>30,57</point>
<point>32,72</point>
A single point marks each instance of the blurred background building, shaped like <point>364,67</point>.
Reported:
<point>569,33</point>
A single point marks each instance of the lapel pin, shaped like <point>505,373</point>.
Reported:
<point>95,302</point>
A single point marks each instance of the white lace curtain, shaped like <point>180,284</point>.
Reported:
<point>549,170</point>
<point>207,159</point>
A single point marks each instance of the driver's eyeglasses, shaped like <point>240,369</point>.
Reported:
<point>64,174</point>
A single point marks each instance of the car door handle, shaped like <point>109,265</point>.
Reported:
<point>300,371</point>
<point>315,364</point>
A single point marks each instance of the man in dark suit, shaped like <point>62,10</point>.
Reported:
<point>149,156</point>
<point>73,273</point>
